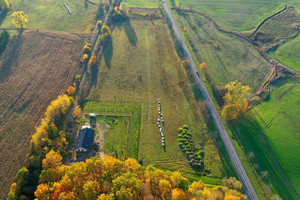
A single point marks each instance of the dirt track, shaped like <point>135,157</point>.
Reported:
<point>34,69</point>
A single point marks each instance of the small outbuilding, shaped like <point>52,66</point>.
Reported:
<point>93,115</point>
<point>85,139</point>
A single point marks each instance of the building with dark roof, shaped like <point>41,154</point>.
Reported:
<point>85,139</point>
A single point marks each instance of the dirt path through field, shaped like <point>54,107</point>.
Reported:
<point>100,138</point>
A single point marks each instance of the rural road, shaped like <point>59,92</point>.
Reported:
<point>248,188</point>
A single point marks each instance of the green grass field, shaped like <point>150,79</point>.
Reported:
<point>289,54</point>
<point>116,137</point>
<point>228,57</point>
<point>141,65</point>
<point>123,136</point>
<point>273,126</point>
<point>52,15</point>
<point>143,3</point>
<point>239,15</point>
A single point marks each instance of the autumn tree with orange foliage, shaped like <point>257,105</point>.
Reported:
<point>110,178</point>
<point>235,100</point>
<point>48,137</point>
<point>71,91</point>
<point>203,66</point>
<point>93,61</point>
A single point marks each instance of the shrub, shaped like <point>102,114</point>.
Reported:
<point>105,33</point>
<point>87,48</point>
<point>93,61</point>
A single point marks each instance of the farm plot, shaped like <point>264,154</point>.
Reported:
<point>141,65</point>
<point>228,57</point>
<point>124,119</point>
<point>52,14</point>
<point>270,135</point>
<point>289,54</point>
<point>34,69</point>
<point>238,15</point>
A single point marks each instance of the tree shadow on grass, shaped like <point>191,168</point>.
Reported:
<point>94,74</point>
<point>129,31</point>
<point>108,52</point>
<point>3,16</point>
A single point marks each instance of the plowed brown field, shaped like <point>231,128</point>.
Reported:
<point>34,69</point>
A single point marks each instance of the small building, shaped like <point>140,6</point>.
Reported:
<point>85,139</point>
<point>93,115</point>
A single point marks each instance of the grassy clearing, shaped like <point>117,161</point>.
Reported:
<point>273,126</point>
<point>123,136</point>
<point>228,57</point>
<point>34,69</point>
<point>141,65</point>
<point>142,3</point>
<point>289,54</point>
<point>52,14</point>
<point>239,15</point>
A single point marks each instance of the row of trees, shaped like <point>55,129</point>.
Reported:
<point>193,154</point>
<point>110,178</point>
<point>49,136</point>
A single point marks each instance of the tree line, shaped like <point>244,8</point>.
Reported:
<point>110,178</point>
<point>49,135</point>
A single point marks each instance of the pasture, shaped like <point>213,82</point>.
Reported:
<point>124,119</point>
<point>34,68</point>
<point>140,65</point>
<point>228,57</point>
<point>238,15</point>
<point>52,15</point>
<point>289,54</point>
<point>270,132</point>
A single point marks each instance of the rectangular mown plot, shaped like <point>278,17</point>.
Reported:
<point>123,121</point>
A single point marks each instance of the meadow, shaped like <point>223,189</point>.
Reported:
<point>34,69</point>
<point>289,54</point>
<point>270,131</point>
<point>228,57</point>
<point>238,15</point>
<point>122,138</point>
<point>52,15</point>
<point>140,66</point>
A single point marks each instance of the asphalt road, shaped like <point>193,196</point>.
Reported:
<point>243,177</point>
